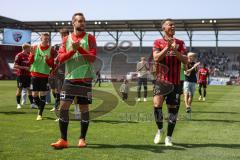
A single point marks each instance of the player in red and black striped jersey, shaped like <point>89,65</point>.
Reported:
<point>203,74</point>
<point>23,74</point>
<point>168,53</point>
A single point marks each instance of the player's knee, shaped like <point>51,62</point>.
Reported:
<point>37,100</point>
<point>84,108</point>
<point>139,88</point>
<point>18,93</point>
<point>43,100</point>
<point>158,104</point>
<point>65,105</point>
<point>85,116</point>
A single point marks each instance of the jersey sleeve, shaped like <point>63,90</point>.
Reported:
<point>156,46</point>
<point>182,48</point>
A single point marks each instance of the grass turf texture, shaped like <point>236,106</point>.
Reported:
<point>127,132</point>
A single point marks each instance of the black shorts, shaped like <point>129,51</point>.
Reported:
<point>55,83</point>
<point>39,84</point>
<point>52,82</point>
<point>81,90</point>
<point>172,98</point>
<point>23,81</point>
<point>204,85</point>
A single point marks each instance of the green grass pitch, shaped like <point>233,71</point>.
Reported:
<point>126,132</point>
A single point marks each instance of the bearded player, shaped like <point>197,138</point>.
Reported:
<point>78,52</point>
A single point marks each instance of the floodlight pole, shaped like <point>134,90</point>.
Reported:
<point>216,35</point>
<point>1,35</point>
<point>190,34</point>
<point>115,38</point>
<point>140,38</point>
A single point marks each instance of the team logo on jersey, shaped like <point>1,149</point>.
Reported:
<point>17,36</point>
<point>171,53</point>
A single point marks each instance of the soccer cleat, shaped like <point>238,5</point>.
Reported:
<point>39,118</point>
<point>19,106</point>
<point>52,110</point>
<point>138,99</point>
<point>33,106</point>
<point>200,97</point>
<point>56,120</point>
<point>204,99</point>
<point>60,144</point>
<point>145,99</point>
<point>82,143</point>
<point>168,141</point>
<point>158,136</point>
<point>188,110</point>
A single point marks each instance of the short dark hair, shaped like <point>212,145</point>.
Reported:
<point>77,14</point>
<point>165,20</point>
<point>45,34</point>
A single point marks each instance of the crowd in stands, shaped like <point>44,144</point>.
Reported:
<point>219,64</point>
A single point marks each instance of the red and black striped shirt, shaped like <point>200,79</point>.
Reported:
<point>202,75</point>
<point>21,59</point>
<point>168,69</point>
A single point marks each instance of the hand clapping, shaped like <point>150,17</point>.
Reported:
<point>75,45</point>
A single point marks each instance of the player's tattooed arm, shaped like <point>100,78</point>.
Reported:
<point>158,53</point>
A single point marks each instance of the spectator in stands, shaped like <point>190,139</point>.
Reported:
<point>142,69</point>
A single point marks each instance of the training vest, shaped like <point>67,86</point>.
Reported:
<point>77,67</point>
<point>39,65</point>
<point>182,75</point>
